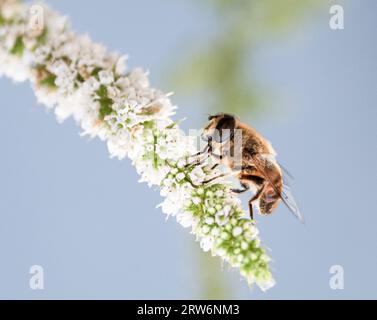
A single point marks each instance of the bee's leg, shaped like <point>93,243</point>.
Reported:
<point>206,151</point>
<point>210,180</point>
<point>213,155</point>
<point>223,175</point>
<point>199,160</point>
<point>251,210</point>
<point>215,166</point>
<point>245,188</point>
<point>255,197</point>
<point>201,152</point>
<point>217,156</point>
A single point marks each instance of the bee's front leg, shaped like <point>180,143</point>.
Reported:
<point>217,156</point>
<point>198,161</point>
<point>214,166</point>
<point>206,151</point>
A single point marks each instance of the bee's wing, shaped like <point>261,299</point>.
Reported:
<point>291,203</point>
<point>260,162</point>
<point>286,171</point>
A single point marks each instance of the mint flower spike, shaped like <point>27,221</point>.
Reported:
<point>79,78</point>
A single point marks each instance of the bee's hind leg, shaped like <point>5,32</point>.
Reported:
<point>254,198</point>
<point>251,210</point>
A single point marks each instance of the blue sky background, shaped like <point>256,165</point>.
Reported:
<point>66,206</point>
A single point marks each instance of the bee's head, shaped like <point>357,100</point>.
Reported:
<point>220,116</point>
<point>220,127</point>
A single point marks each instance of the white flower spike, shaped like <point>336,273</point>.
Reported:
<point>80,79</point>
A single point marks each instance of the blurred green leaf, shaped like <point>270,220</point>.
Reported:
<point>220,69</point>
<point>212,279</point>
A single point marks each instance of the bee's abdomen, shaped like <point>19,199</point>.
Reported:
<point>268,202</point>
<point>271,195</point>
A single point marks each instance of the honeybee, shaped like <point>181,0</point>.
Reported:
<point>251,159</point>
